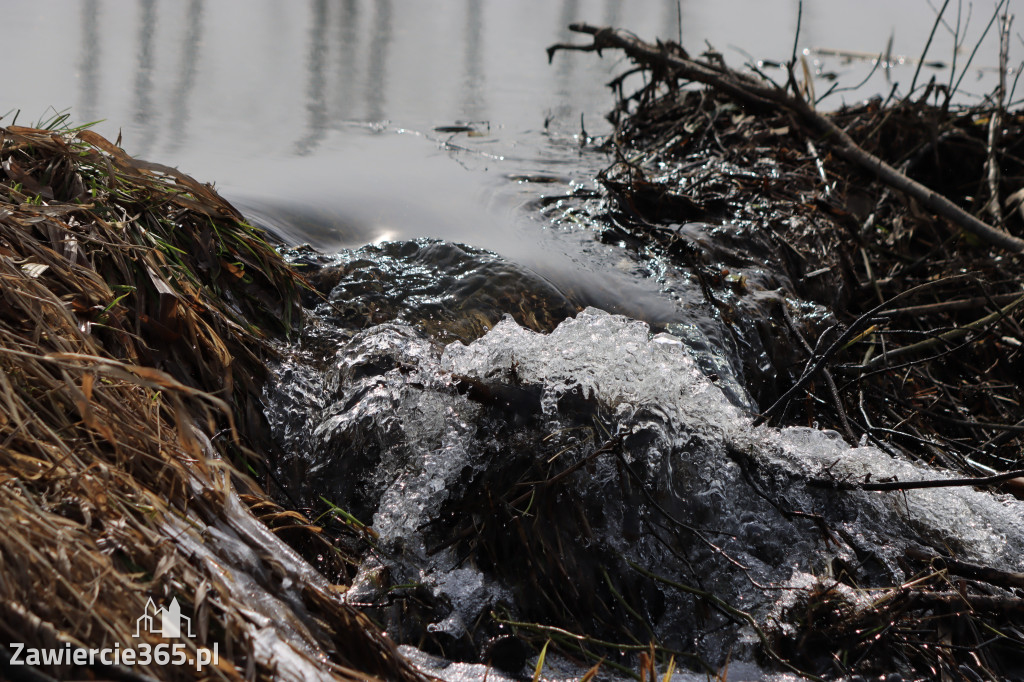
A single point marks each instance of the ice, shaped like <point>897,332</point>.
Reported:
<point>978,523</point>
<point>697,494</point>
<point>617,361</point>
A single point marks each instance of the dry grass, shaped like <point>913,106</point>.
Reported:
<point>135,312</point>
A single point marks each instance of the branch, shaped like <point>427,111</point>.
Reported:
<point>945,337</point>
<point>993,576</point>
<point>888,486</point>
<point>757,94</point>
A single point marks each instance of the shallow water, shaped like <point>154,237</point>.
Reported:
<point>426,441</point>
<point>319,118</point>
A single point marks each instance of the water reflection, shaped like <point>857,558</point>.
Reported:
<point>316,95</point>
<point>90,80</point>
<point>191,46</point>
<point>144,71</point>
<point>672,14</point>
<point>310,67</point>
<point>347,38</point>
<point>611,12</point>
<point>566,67</point>
<point>376,67</point>
<point>472,83</point>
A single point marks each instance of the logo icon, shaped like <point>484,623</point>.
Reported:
<point>162,621</point>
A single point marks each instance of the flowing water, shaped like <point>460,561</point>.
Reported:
<point>474,332</point>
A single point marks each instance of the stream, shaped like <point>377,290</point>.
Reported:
<point>535,420</point>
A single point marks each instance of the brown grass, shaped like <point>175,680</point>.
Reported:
<point>135,312</point>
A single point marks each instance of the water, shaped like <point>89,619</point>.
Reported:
<point>318,118</point>
<point>651,468</point>
<point>331,106</point>
<point>412,401</point>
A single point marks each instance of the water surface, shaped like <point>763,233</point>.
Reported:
<point>332,106</point>
<point>332,123</point>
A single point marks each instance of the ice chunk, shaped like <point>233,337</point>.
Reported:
<point>609,357</point>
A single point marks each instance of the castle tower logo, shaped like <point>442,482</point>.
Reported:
<point>163,621</point>
<point>166,622</point>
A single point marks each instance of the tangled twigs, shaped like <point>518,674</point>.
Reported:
<point>988,574</point>
<point>762,96</point>
<point>917,321</point>
<point>829,381</point>
<point>817,364</point>
<point>947,337</point>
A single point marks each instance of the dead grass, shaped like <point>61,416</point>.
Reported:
<point>135,310</point>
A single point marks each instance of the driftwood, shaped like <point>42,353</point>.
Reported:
<point>760,94</point>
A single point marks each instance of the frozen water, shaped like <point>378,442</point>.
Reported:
<point>406,433</point>
<point>616,360</point>
<point>607,357</point>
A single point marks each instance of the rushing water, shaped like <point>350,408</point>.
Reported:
<point>412,434</point>
<point>474,333</point>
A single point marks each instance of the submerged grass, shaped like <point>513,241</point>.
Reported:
<point>136,307</point>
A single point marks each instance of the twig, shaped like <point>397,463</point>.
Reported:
<point>1005,435</point>
<point>993,576</point>
<point>837,402</point>
<point>835,90</point>
<point>837,345</point>
<point>973,602</point>
<point>948,306</point>
<point>927,483</point>
<point>594,641</point>
<point>995,125</point>
<point>729,609</point>
<point>945,336</point>
<point>924,53</point>
<point>796,37</point>
<point>977,45</point>
<point>871,272</point>
<point>1016,78</point>
<point>985,426</point>
<point>820,166</point>
<point>957,42</point>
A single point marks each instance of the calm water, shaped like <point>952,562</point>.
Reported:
<point>328,108</point>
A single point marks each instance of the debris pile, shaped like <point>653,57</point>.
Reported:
<point>887,238</point>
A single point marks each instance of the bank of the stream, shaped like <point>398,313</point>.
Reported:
<point>136,314</point>
<point>576,483</point>
<point>887,237</point>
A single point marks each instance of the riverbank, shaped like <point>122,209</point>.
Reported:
<point>868,263</point>
<point>137,313</point>
<point>560,482</point>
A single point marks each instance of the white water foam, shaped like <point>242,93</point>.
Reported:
<point>618,362</point>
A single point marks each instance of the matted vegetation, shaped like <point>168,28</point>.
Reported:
<point>879,249</point>
<point>136,308</point>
